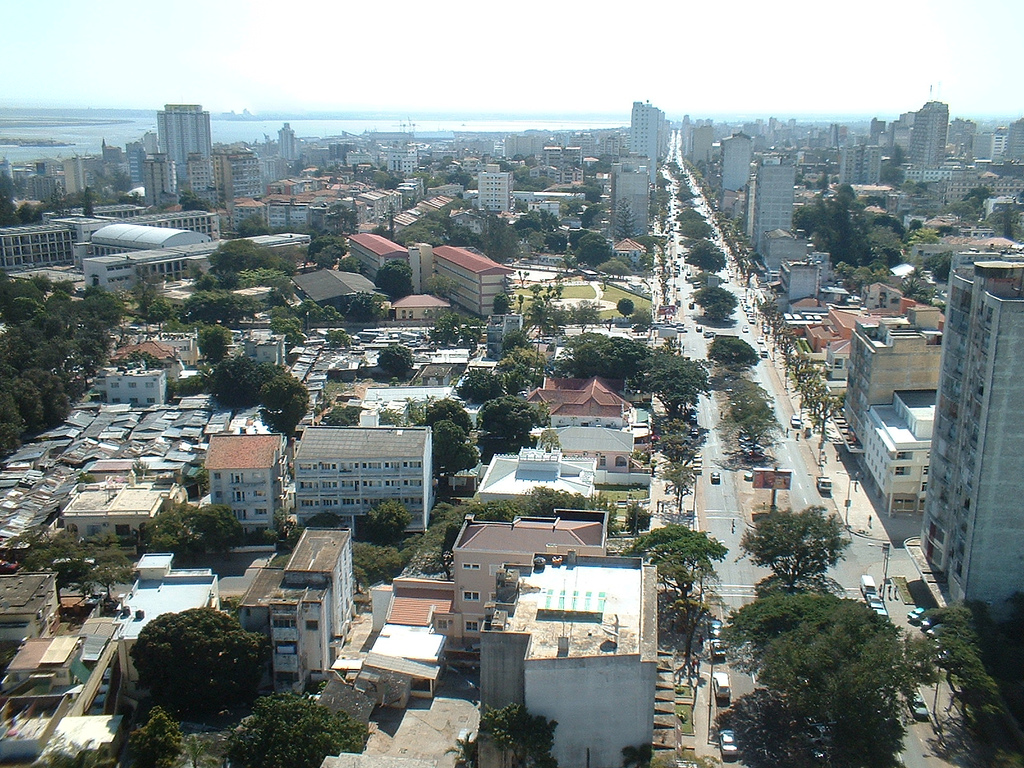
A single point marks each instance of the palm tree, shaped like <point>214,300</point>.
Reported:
<point>197,752</point>
<point>465,751</point>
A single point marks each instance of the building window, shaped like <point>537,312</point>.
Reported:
<point>312,625</point>
<point>283,622</point>
<point>470,595</point>
<point>442,624</point>
<point>471,566</point>
<point>902,471</point>
<point>285,649</point>
<point>472,626</point>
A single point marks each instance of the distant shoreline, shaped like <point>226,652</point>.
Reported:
<point>8,141</point>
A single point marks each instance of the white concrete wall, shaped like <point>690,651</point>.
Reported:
<point>601,703</point>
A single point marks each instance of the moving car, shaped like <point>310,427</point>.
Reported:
<point>796,422</point>
<point>716,478</point>
<point>716,628</point>
<point>717,650</point>
<point>727,743</point>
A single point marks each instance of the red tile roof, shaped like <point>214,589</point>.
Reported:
<point>378,245</point>
<point>415,601</point>
<point>242,451</point>
<point>154,348</point>
<point>420,300</point>
<point>474,262</point>
<point>530,535</point>
<point>579,397</point>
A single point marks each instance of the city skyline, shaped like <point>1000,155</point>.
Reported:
<point>803,60</point>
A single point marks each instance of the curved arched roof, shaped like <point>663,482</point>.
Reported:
<point>137,236</point>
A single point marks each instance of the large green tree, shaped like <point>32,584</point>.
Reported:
<point>593,354</point>
<point>156,744</point>
<point>395,278</point>
<point>504,425</point>
<point>395,360</point>
<point>732,351</point>
<point>524,740</point>
<point>676,382</point>
<point>835,679</point>
<point>214,341</point>
<point>705,256</point>
<point>718,303</point>
<point>798,547</point>
<point>452,450</point>
<point>479,386</point>
<point>187,530</point>
<point>293,731</point>
<point>686,569</point>
<point>385,523</point>
<point>285,401</point>
<point>199,661</point>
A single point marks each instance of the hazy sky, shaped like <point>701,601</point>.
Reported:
<point>789,57</point>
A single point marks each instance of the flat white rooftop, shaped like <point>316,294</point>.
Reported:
<point>599,608</point>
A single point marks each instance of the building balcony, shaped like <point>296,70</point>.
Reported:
<point>283,633</point>
<point>286,662</point>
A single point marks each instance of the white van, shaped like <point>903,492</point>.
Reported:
<point>723,691</point>
<point>867,587</point>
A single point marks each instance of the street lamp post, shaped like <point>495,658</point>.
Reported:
<point>711,696</point>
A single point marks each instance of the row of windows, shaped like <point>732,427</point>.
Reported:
<point>409,501</point>
<point>350,465</point>
<point>312,486</point>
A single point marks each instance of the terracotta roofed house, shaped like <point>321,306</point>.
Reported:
<point>478,279</point>
<point>165,354</point>
<point>373,250</point>
<point>246,474</point>
<point>583,403</point>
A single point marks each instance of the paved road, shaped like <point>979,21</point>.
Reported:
<point>724,510</point>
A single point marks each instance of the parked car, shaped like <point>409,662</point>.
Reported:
<point>727,743</point>
<point>796,422</point>
<point>915,616</point>
<point>716,478</point>
<point>715,628</point>
<point>919,708</point>
<point>717,650</point>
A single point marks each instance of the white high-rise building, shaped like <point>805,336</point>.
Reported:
<point>648,134</point>
<point>736,154</point>
<point>184,129</point>
<point>159,179</point>
<point>773,199</point>
<point>495,189</point>
<point>287,147</point>
<point>631,190</point>
<point>928,136</point>
<point>972,528</point>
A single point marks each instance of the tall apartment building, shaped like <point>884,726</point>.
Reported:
<point>1015,141</point>
<point>494,189</point>
<point>648,135</point>
<point>860,164</point>
<point>702,142</point>
<point>773,199</point>
<point>631,188</point>
<point>287,147</point>
<point>236,173</point>
<point>349,470</point>
<point>160,179</point>
<point>305,609</point>
<point>972,528</point>
<point>736,154</point>
<point>246,473</point>
<point>181,130</point>
<point>928,136</point>
<point>889,355</point>
<point>78,174</point>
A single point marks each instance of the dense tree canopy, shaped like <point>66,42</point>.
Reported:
<point>185,529</point>
<point>386,523</point>
<point>612,357</point>
<point>732,351</point>
<point>718,303</point>
<point>156,744</point>
<point>504,424</point>
<point>524,740</point>
<point>705,256</point>
<point>479,386</point>
<point>395,360</point>
<point>285,401</point>
<point>836,676</point>
<point>395,278</point>
<point>799,548</point>
<point>199,661</point>
<point>294,731</point>
<point>675,381</point>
